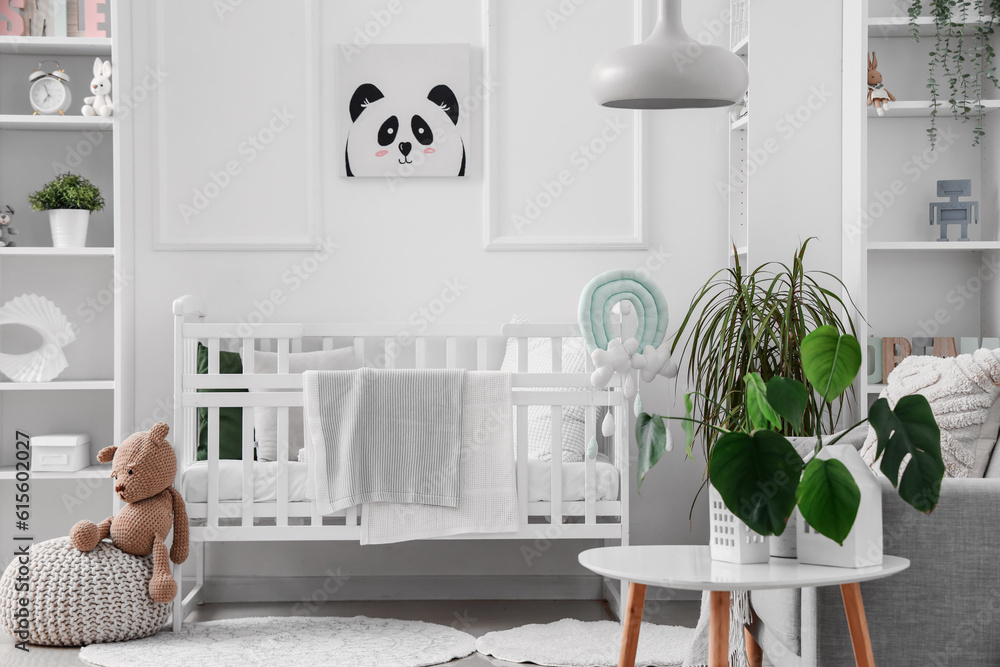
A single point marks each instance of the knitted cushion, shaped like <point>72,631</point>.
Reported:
<point>78,598</point>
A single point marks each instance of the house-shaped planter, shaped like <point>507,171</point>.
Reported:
<point>863,546</point>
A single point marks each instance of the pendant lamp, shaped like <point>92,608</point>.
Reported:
<point>669,70</point>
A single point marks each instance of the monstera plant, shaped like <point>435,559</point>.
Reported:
<point>762,478</point>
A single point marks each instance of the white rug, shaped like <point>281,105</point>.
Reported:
<point>326,642</point>
<point>572,643</point>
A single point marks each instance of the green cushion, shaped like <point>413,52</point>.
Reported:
<point>230,419</point>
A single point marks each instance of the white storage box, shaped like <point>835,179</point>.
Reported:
<point>60,453</point>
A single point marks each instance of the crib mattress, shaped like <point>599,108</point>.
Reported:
<point>194,481</point>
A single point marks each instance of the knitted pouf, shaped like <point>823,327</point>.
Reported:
<point>77,598</point>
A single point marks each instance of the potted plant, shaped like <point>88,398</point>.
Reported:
<point>961,59</point>
<point>752,322</point>
<point>69,199</point>
<point>762,478</point>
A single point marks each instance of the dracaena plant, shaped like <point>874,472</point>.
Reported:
<point>762,478</point>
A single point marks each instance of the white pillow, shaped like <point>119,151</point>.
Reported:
<point>540,416</point>
<point>265,420</point>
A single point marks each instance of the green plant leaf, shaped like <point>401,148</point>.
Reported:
<point>910,429</point>
<point>67,191</point>
<point>757,475</point>
<point>760,413</point>
<point>687,425</point>
<point>789,398</point>
<point>651,434</point>
<point>829,498</point>
<point>830,360</point>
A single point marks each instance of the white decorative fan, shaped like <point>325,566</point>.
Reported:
<point>41,315</point>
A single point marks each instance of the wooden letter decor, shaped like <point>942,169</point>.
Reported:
<point>938,347</point>
<point>11,20</point>
<point>889,357</point>
<point>944,347</point>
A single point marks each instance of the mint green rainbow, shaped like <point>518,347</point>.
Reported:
<point>604,291</point>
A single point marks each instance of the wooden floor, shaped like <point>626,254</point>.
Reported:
<point>477,617</point>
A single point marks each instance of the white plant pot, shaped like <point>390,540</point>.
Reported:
<point>786,544</point>
<point>730,539</point>
<point>863,546</point>
<point>69,227</point>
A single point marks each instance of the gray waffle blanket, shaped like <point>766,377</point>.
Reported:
<point>383,436</point>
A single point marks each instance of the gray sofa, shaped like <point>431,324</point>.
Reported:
<point>943,610</point>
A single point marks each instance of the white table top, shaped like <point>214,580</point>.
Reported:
<point>692,568</point>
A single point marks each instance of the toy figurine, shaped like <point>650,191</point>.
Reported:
<point>6,231</point>
<point>953,212</point>
<point>878,96</point>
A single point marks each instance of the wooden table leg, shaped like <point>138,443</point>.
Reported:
<point>631,624</point>
<point>718,629</point>
<point>755,654</point>
<point>858,625</point>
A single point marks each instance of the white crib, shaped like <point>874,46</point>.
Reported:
<point>282,519</point>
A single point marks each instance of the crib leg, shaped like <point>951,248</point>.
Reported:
<point>178,613</point>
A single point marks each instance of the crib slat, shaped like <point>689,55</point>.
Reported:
<point>391,348</point>
<point>282,518</point>
<point>421,352</point>
<point>213,440</point>
<point>590,469</point>
<point>450,352</point>
<point>556,449</point>
<point>351,516</point>
<point>249,368</point>
<point>327,343</point>
<point>359,350</point>
<point>522,439</point>
<point>556,442</point>
<point>482,354</point>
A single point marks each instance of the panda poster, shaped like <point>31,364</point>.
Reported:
<point>402,110</point>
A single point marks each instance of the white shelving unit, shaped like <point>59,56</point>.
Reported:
<point>739,221</point>
<point>905,282</point>
<point>92,472</point>
<point>92,285</point>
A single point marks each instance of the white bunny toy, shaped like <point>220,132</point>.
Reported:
<point>99,104</point>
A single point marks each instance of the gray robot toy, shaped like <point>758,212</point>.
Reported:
<point>6,231</point>
<point>954,212</point>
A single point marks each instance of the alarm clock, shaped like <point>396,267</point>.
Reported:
<point>49,92</point>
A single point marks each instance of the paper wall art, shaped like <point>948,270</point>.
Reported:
<point>403,110</point>
<point>47,361</point>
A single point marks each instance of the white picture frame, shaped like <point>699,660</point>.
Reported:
<point>632,235</point>
<point>174,227</point>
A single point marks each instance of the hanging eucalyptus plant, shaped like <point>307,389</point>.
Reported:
<point>961,61</point>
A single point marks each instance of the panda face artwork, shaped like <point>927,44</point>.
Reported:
<point>404,137</point>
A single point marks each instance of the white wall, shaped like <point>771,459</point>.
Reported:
<point>399,248</point>
<point>795,131</point>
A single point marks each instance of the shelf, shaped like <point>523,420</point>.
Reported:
<point>899,26</point>
<point>66,123</point>
<point>917,108</point>
<point>742,250</point>
<point>876,388</point>
<point>57,252</point>
<point>934,245</point>
<point>95,471</point>
<point>742,47</point>
<point>57,46</point>
<point>740,124</point>
<point>60,385</point>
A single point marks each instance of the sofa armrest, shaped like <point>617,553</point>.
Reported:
<point>943,610</point>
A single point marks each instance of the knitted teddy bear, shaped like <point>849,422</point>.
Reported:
<point>143,470</point>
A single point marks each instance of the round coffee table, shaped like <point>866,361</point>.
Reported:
<point>692,568</point>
